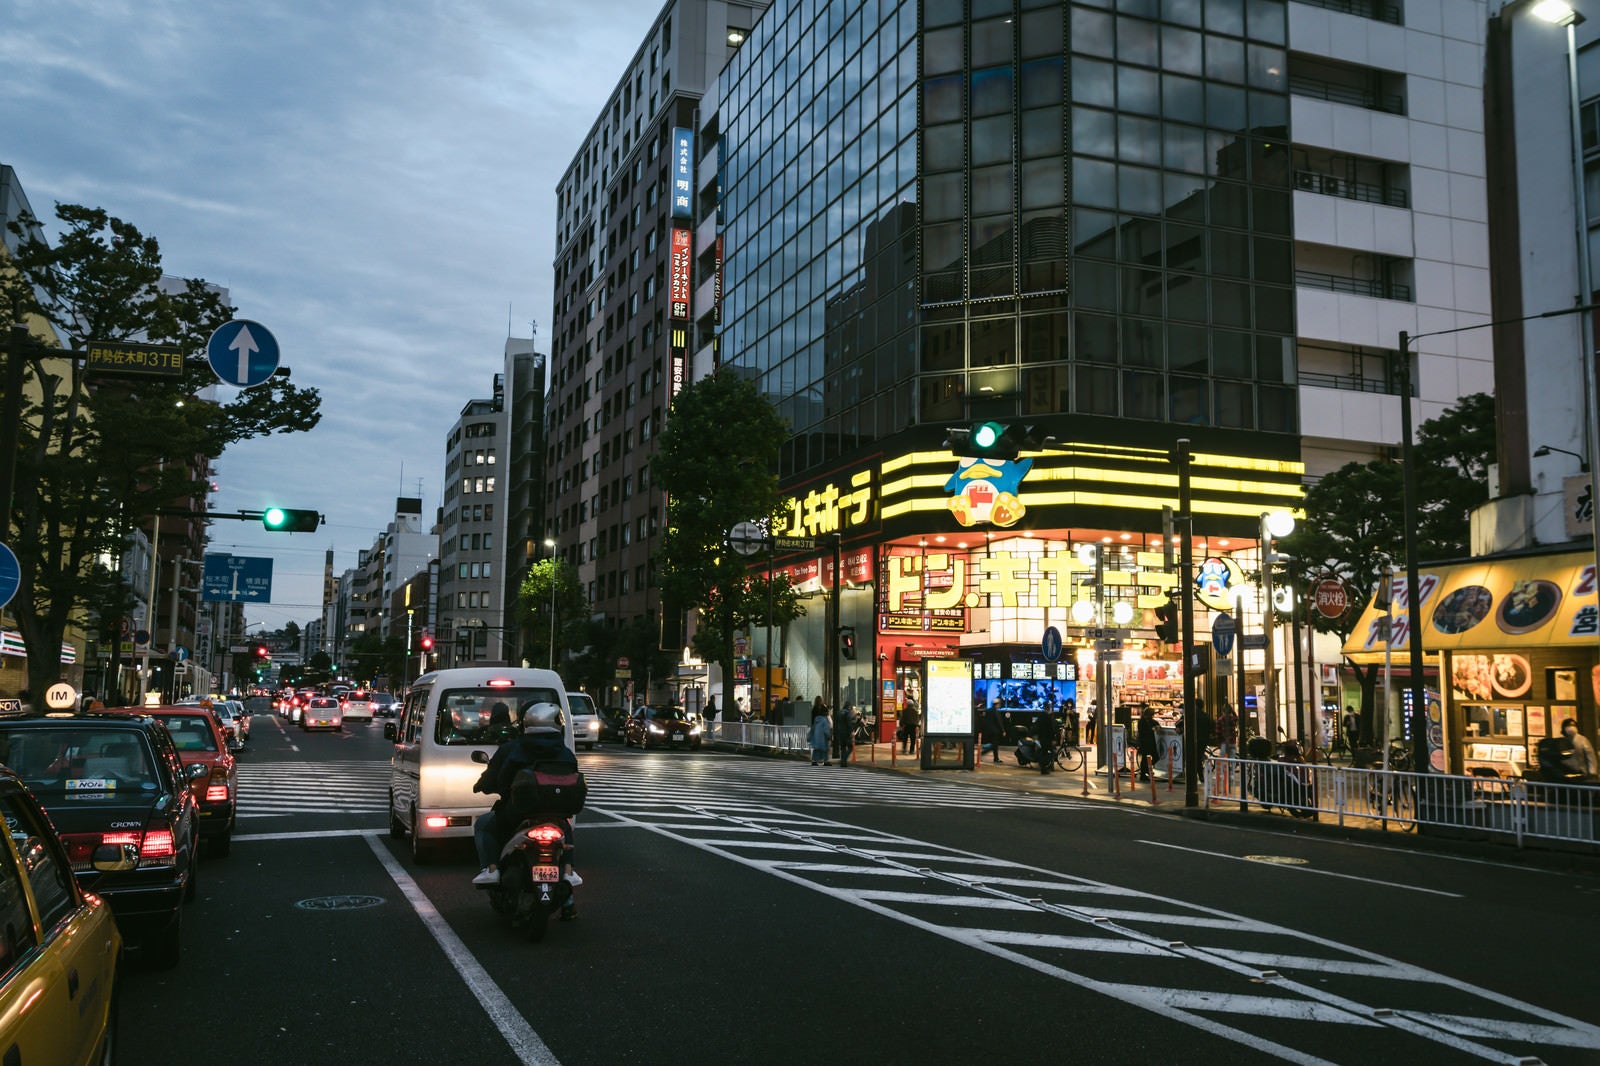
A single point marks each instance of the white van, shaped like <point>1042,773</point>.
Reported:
<point>448,715</point>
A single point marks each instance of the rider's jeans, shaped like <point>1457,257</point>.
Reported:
<point>486,834</point>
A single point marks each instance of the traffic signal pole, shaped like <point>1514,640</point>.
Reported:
<point>1192,753</point>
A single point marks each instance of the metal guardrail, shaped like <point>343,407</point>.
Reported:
<point>1334,185</point>
<point>1337,93</point>
<point>1383,290</point>
<point>1348,382</point>
<point>762,735</point>
<point>1512,807</point>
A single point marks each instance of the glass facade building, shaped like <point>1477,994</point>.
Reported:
<point>961,209</point>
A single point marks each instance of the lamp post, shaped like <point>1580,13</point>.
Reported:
<point>1273,524</point>
<point>551,544</point>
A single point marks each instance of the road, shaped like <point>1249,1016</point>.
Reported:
<point>738,909</point>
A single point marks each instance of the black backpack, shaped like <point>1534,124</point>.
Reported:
<point>548,787</point>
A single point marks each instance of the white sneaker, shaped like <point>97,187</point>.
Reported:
<point>573,879</point>
<point>487,876</point>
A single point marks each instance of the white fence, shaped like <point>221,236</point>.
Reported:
<point>762,735</point>
<point>1513,807</point>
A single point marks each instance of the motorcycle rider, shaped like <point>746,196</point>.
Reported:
<point>543,739</point>
<point>1044,732</point>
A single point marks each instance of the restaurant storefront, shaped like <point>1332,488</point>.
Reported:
<point>1516,641</point>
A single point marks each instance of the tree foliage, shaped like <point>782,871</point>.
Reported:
<point>593,667</point>
<point>718,453</point>
<point>546,635</point>
<point>98,456</point>
<point>372,655</point>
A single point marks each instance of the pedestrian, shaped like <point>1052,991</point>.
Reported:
<point>844,733</point>
<point>1582,760</point>
<point>1094,721</point>
<point>1149,746</point>
<point>994,730</point>
<point>818,707</point>
<point>821,737</point>
<point>909,720</point>
<point>1227,730</point>
<point>711,710</point>
<point>1352,728</point>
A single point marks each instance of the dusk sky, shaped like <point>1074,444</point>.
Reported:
<point>374,182</point>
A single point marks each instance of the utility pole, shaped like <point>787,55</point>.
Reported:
<point>1191,724</point>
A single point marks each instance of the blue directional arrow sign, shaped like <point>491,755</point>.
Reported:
<point>10,575</point>
<point>242,352</point>
<point>236,579</point>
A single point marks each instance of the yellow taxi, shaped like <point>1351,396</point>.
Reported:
<point>59,952</point>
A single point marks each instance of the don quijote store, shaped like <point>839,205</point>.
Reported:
<point>946,557</point>
<point>1509,649</point>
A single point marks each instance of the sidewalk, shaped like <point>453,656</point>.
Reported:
<point>1161,796</point>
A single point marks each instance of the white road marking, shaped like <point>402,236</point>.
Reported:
<point>1307,869</point>
<point>309,834</point>
<point>525,1043</point>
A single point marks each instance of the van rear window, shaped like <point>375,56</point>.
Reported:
<point>478,717</point>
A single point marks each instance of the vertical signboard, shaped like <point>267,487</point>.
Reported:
<point>716,286</point>
<point>679,276</point>
<point>682,172</point>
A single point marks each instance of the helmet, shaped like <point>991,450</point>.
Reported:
<point>542,717</point>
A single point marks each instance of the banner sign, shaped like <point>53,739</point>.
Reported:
<point>679,277</point>
<point>716,286</point>
<point>682,172</point>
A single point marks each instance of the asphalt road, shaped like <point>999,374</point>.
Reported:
<point>738,909</point>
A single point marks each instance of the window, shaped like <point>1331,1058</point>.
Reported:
<point>46,869</point>
<point>467,718</point>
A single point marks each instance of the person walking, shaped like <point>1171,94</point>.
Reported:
<point>1093,725</point>
<point>909,721</point>
<point>1352,728</point>
<point>1227,731</point>
<point>1149,746</point>
<point>821,737</point>
<point>994,730</point>
<point>844,733</point>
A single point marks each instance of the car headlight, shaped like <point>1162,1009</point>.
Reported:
<point>695,728</point>
<point>594,727</point>
<point>656,729</point>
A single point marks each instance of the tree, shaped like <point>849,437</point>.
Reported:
<point>97,457</point>
<point>594,666</point>
<point>550,583</point>
<point>718,453</point>
<point>1355,526</point>
<point>373,655</point>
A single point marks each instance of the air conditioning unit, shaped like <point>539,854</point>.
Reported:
<point>1304,179</point>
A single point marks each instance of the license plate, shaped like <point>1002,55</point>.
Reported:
<point>677,736</point>
<point>547,873</point>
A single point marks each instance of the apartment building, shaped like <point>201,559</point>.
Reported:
<point>472,619</point>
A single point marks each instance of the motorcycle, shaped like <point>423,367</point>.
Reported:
<point>1279,779</point>
<point>1030,753</point>
<point>534,866</point>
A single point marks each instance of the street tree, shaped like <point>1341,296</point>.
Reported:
<point>1355,523</point>
<point>593,666</point>
<point>97,457</point>
<point>551,607</point>
<point>372,655</point>
<point>718,455</point>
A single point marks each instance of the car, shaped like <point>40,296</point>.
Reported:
<point>59,967</point>
<point>197,734</point>
<point>385,704</point>
<point>241,718</point>
<point>356,705</point>
<point>657,725</point>
<point>235,723</point>
<point>448,715</point>
<point>322,712</point>
<point>115,778</point>
<point>585,720</point>
<point>613,722</point>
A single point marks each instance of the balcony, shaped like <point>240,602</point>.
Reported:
<point>1347,83</point>
<point>1367,9</point>
<point>1349,188</point>
<point>1383,289</point>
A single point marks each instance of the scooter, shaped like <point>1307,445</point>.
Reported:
<point>534,866</point>
<point>1279,780</point>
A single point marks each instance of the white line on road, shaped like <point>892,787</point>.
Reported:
<point>308,834</point>
<point>1306,869</point>
<point>525,1043</point>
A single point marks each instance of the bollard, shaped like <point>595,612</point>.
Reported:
<point>1085,753</point>
<point>1169,767</point>
<point>1153,797</point>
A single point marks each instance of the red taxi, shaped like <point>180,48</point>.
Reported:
<point>198,736</point>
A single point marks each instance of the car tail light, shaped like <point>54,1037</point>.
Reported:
<point>217,793</point>
<point>502,682</point>
<point>436,821</point>
<point>545,835</point>
<point>120,838</point>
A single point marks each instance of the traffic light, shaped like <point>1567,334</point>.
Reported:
<point>991,440</point>
<point>427,642</point>
<point>263,652</point>
<point>290,520</point>
<point>1167,623</point>
<point>847,642</point>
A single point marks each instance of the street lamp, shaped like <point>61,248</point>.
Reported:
<point>1273,524</point>
<point>551,544</point>
<point>1545,449</point>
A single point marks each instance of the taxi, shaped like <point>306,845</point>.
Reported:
<point>58,961</point>
<point>197,734</point>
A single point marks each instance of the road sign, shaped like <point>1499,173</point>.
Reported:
<point>141,636</point>
<point>1251,641</point>
<point>236,578</point>
<point>1332,598</point>
<point>60,697</point>
<point>622,662</point>
<point>746,538</point>
<point>794,544</point>
<point>1222,633</point>
<point>1108,656</point>
<point>10,575</point>
<point>138,360</point>
<point>1107,645</point>
<point>180,653</point>
<point>242,352</point>
<point>1051,644</point>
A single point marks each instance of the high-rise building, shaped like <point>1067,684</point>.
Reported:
<point>616,341</point>
<point>523,465</point>
<point>472,617</point>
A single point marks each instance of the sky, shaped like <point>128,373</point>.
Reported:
<point>373,181</point>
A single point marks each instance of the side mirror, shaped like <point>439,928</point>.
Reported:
<point>115,858</point>
<point>198,770</point>
<point>388,731</point>
<point>480,756</point>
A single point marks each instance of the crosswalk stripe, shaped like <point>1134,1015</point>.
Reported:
<point>288,789</point>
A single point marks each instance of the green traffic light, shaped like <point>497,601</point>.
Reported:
<point>986,434</point>
<point>274,517</point>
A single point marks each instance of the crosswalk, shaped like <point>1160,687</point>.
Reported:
<point>277,789</point>
<point>1273,989</point>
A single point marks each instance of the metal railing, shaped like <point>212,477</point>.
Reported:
<point>1337,93</point>
<point>1333,185</point>
<point>1370,9</point>
<point>1348,382</point>
<point>760,735</point>
<point>1517,808</point>
<point>1383,290</point>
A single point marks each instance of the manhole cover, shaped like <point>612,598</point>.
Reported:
<point>1281,860</point>
<point>338,903</point>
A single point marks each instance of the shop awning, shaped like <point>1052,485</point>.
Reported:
<point>1529,601</point>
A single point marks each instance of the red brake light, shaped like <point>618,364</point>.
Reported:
<point>158,844</point>
<point>120,838</point>
<point>544,834</point>
<point>217,793</point>
<point>501,682</point>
